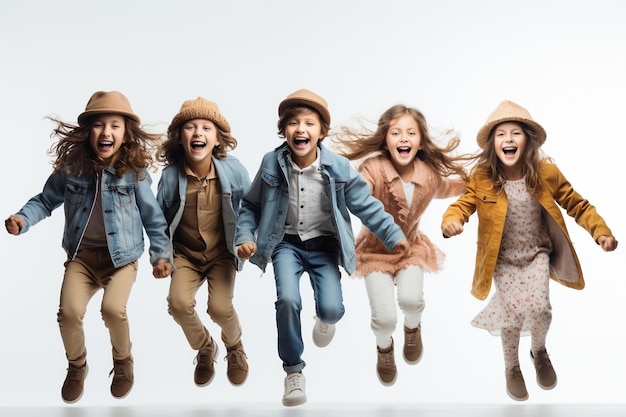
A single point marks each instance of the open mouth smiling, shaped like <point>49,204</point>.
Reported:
<point>105,145</point>
<point>509,150</point>
<point>301,141</point>
<point>197,145</point>
<point>404,150</point>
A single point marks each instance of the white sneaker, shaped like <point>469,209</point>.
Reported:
<point>322,333</point>
<point>294,390</point>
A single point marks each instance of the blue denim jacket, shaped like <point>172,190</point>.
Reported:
<point>128,206</point>
<point>264,207</point>
<point>234,180</point>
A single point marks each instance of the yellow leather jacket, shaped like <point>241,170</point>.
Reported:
<point>491,205</point>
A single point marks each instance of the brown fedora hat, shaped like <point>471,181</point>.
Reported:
<point>107,102</point>
<point>306,98</point>
<point>508,111</point>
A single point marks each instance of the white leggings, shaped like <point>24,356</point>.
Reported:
<point>380,291</point>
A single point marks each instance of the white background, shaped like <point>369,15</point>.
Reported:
<point>455,60</point>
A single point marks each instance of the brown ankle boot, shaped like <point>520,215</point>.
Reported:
<point>72,388</point>
<point>515,385</point>
<point>205,364</point>
<point>386,365</point>
<point>237,364</point>
<point>546,377</point>
<point>412,351</point>
<point>123,377</point>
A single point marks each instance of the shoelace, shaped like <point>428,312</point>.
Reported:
<point>235,358</point>
<point>203,357</point>
<point>411,338</point>
<point>387,358</point>
<point>75,373</point>
<point>294,382</point>
<point>118,371</point>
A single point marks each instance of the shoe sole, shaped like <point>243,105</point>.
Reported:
<point>516,398</point>
<point>294,402</point>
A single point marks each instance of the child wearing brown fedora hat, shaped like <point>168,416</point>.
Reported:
<point>296,214</point>
<point>100,176</point>
<point>405,169</point>
<point>522,237</point>
<point>200,192</point>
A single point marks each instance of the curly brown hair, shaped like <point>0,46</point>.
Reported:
<point>73,152</point>
<point>489,165</point>
<point>171,150</point>
<point>357,143</point>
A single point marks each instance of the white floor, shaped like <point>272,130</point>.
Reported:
<point>328,410</point>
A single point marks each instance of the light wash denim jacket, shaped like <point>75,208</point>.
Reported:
<point>128,206</point>
<point>234,180</point>
<point>264,207</point>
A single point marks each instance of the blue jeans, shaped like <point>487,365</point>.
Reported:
<point>318,258</point>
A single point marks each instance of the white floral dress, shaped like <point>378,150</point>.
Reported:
<point>522,274</point>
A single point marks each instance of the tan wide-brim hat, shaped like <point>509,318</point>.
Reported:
<point>107,102</point>
<point>508,111</point>
<point>199,108</point>
<point>307,98</point>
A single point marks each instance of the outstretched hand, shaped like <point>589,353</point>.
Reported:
<point>14,224</point>
<point>162,269</point>
<point>607,243</point>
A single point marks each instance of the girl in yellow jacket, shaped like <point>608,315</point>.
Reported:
<point>522,237</point>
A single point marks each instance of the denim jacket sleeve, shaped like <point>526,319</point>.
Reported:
<point>43,204</point>
<point>153,220</point>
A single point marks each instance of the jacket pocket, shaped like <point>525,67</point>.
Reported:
<point>272,186</point>
<point>74,193</point>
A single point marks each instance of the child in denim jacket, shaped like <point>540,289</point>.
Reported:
<point>200,192</point>
<point>296,214</point>
<point>100,176</point>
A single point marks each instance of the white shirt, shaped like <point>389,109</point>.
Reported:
<point>309,214</point>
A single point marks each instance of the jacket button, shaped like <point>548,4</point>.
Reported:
<point>484,197</point>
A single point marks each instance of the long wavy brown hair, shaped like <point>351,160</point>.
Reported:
<point>74,154</point>
<point>489,165</point>
<point>171,150</point>
<point>358,143</point>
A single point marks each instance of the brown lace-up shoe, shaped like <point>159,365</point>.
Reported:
<point>123,377</point>
<point>72,388</point>
<point>412,351</point>
<point>205,364</point>
<point>546,377</point>
<point>237,371</point>
<point>386,365</point>
<point>515,385</point>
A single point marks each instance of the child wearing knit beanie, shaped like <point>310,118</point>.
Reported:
<point>200,192</point>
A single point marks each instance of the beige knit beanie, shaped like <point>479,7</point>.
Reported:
<point>199,108</point>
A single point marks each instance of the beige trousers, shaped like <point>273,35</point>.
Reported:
<point>184,285</point>
<point>90,271</point>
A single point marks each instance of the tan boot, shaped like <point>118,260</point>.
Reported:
<point>123,377</point>
<point>72,388</point>
<point>205,364</point>
<point>412,351</point>
<point>546,377</point>
<point>237,371</point>
<point>515,385</point>
<point>386,365</point>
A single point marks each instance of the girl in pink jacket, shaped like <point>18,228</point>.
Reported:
<point>405,170</point>
<point>522,238</point>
